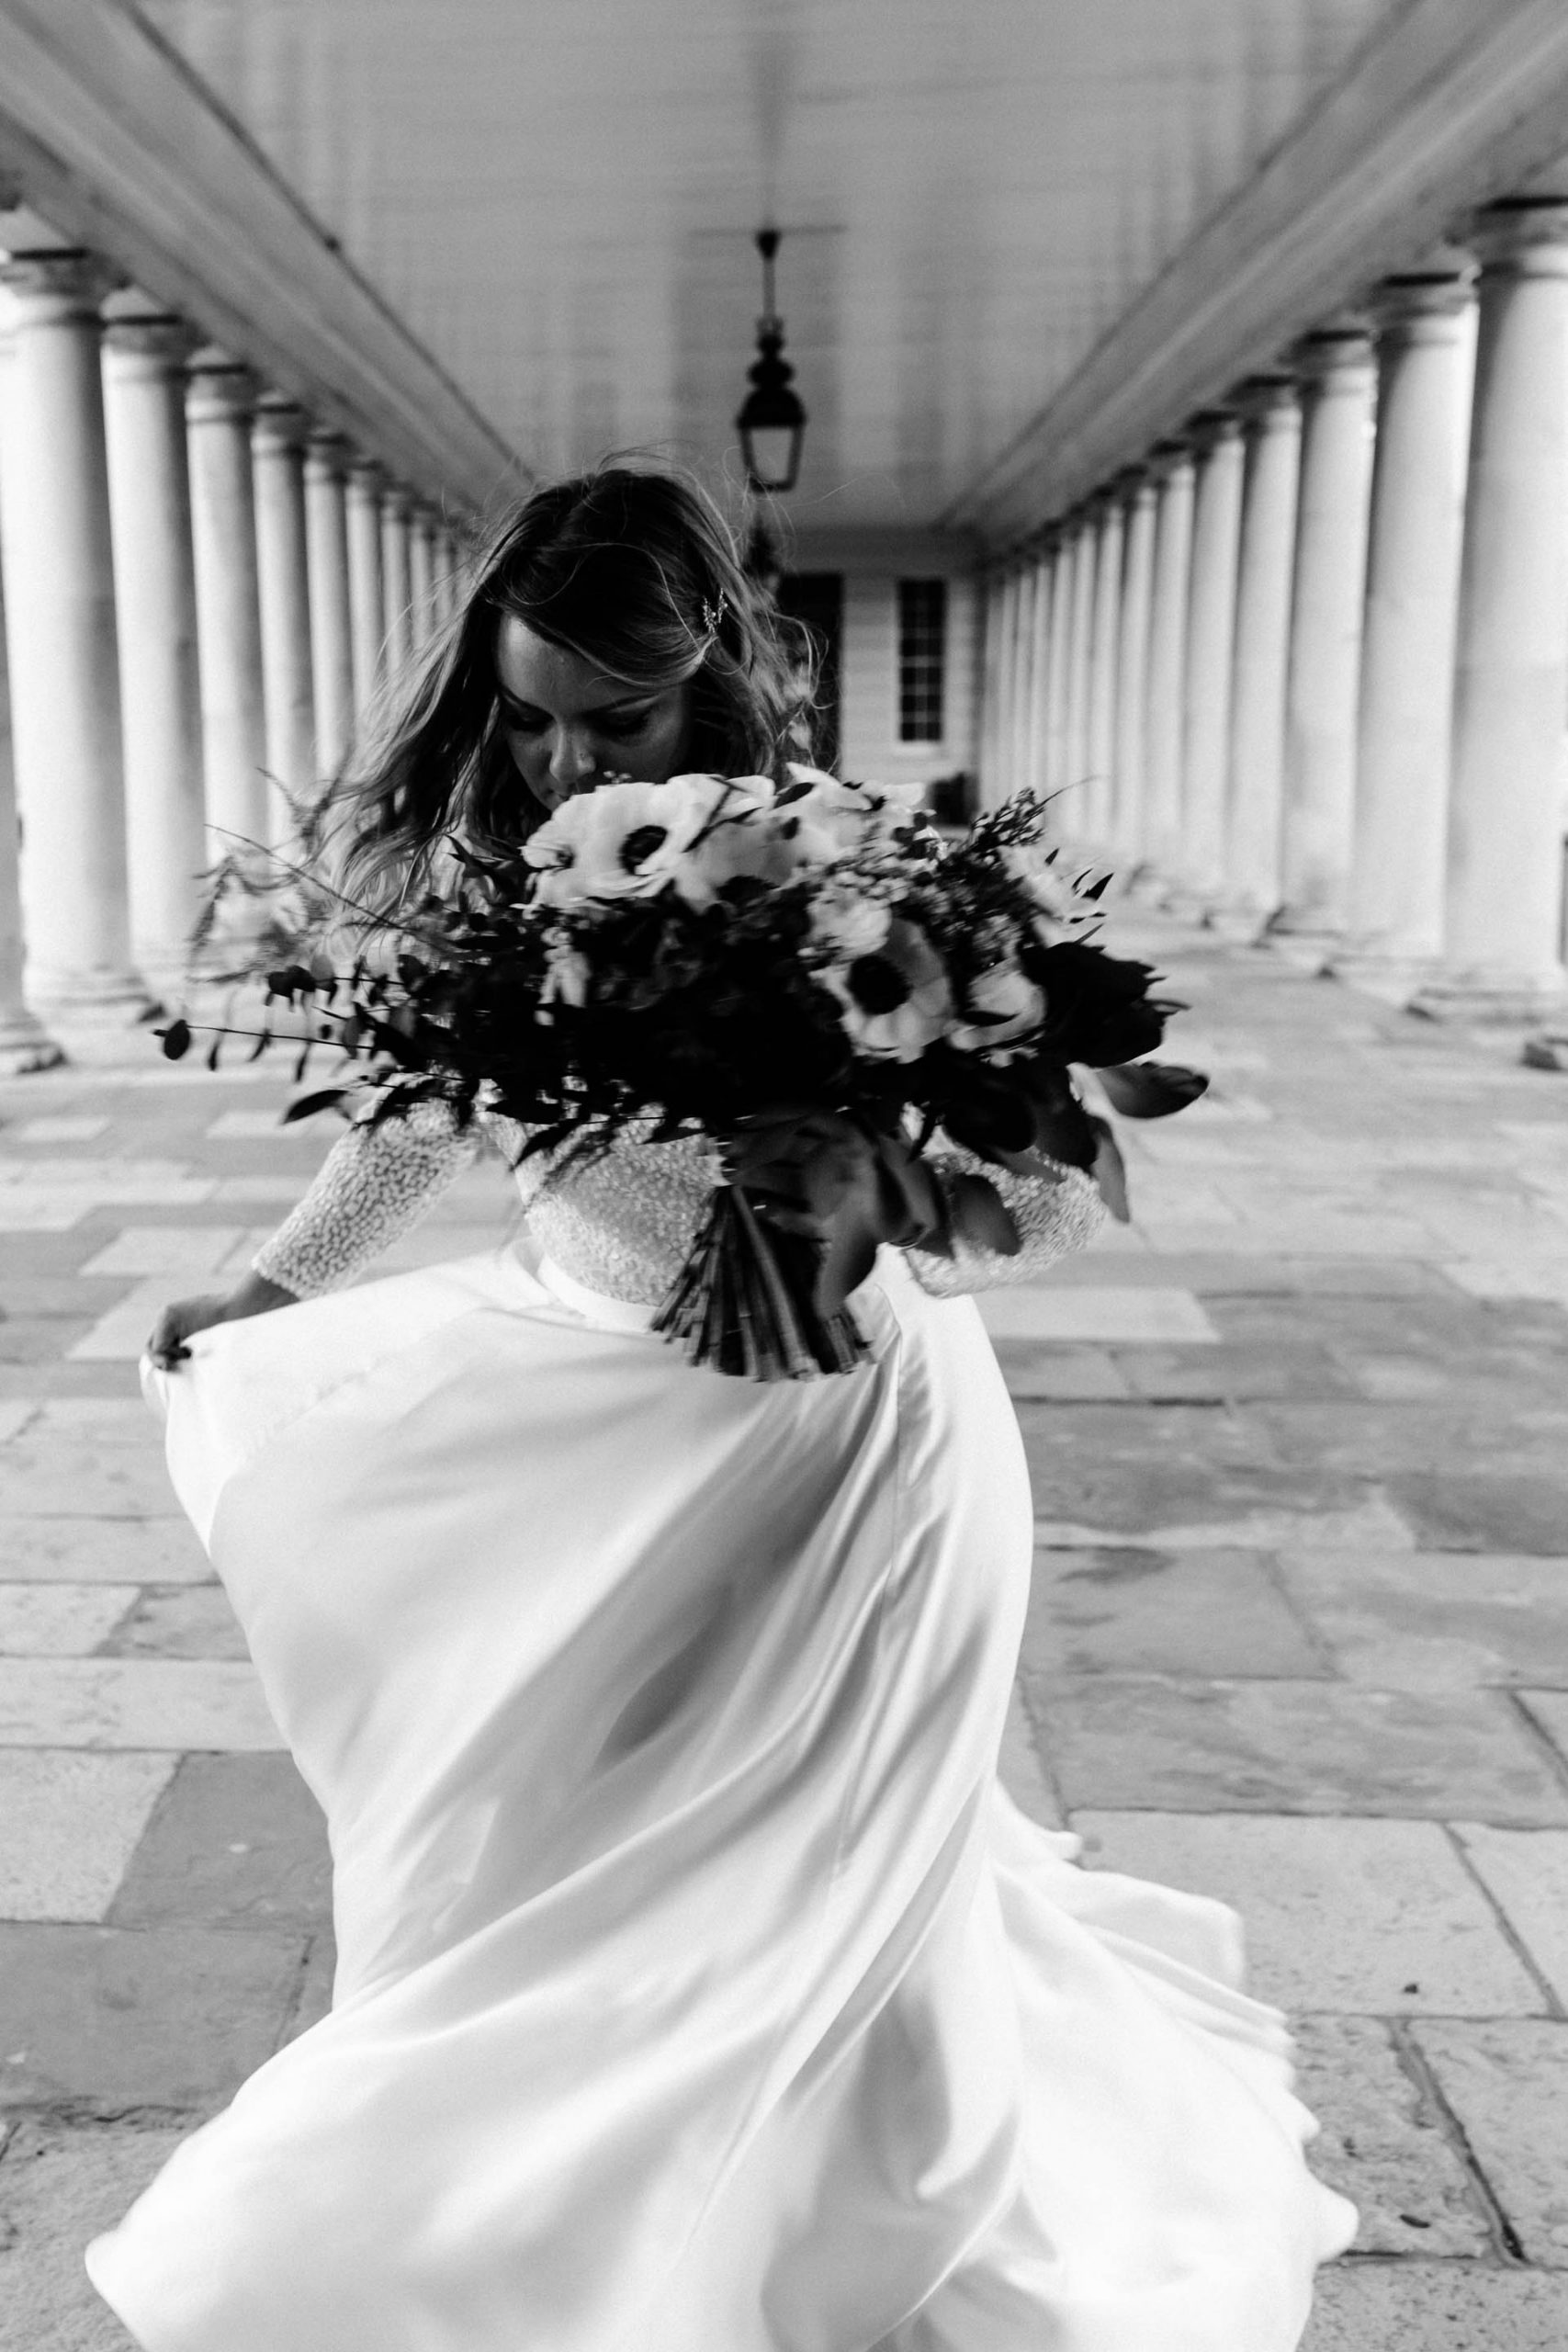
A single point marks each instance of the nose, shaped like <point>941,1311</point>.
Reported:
<point>575,756</point>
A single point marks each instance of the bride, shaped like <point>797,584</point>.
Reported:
<point>698,1987</point>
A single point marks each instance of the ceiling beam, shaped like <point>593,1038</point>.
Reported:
<point>122,148</point>
<point>1455,101</point>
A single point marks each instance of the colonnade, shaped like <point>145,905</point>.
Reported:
<point>205,590</point>
<point>1303,666</point>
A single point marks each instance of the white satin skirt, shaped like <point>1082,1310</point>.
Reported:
<point>699,1989</point>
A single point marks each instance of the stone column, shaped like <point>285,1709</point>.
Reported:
<point>367,602</point>
<point>1325,630</point>
<point>1039,672</point>
<point>331,642</point>
<point>422,577</point>
<point>1023,675</point>
<point>1165,711</point>
<point>64,667</point>
<point>1266,555</point>
<point>1129,762</point>
<point>145,352</point>
<point>396,617</point>
<point>1427,362</point>
<point>218,407</point>
<point>1075,815</point>
<point>277,457</point>
<point>1106,616</point>
<point>1210,630</point>
<point>1056,759</point>
<point>24,1044</point>
<point>1502,948</point>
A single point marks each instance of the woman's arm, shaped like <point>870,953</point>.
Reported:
<point>1051,1219</point>
<point>372,1186</point>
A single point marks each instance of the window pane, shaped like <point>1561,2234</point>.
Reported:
<point>922,659</point>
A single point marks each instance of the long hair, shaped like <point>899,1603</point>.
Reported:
<point>634,571</point>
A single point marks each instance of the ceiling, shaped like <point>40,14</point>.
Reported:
<point>558,198</point>
<point>1022,238</point>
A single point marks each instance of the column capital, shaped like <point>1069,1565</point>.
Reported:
<point>328,454</point>
<point>1126,485</point>
<point>396,500</point>
<point>1207,428</point>
<point>220,388</point>
<point>1521,236</point>
<point>48,288</point>
<point>278,424</point>
<point>1260,399</point>
<point>1404,301</point>
<point>136,326</point>
<point>367,476</point>
<point>1345,349</point>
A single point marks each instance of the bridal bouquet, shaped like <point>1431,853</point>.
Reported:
<point>814,978</point>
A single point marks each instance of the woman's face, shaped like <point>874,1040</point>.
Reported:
<point>570,726</point>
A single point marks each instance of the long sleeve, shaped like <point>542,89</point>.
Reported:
<point>1051,1219</point>
<point>373,1185</point>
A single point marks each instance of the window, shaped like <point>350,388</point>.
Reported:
<point>922,659</point>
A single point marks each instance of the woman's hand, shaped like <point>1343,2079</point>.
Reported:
<point>254,1295</point>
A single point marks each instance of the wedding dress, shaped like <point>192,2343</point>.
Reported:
<point>698,1987</point>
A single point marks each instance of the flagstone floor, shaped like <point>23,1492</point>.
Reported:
<point>1298,1437</point>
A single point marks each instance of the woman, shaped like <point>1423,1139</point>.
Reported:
<point>698,1989</point>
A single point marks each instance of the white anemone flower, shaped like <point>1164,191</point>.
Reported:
<point>848,923</point>
<point>737,838</point>
<point>896,1000</point>
<point>620,841</point>
<point>1011,1003</point>
<point>833,819</point>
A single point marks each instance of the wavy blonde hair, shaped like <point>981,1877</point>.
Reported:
<point>634,570</point>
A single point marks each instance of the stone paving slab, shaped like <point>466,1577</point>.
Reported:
<point>1137,1741</point>
<point>69,1825</point>
<point>60,2186</point>
<point>141,2016</point>
<point>135,1703</point>
<point>237,1841</point>
<point>1506,2081</point>
<point>1436,1620</point>
<point>1104,1313</point>
<point>1377,1918</point>
<point>60,1620</point>
<point>1548,1710</point>
<point>1136,1610</point>
<point>52,1477</point>
<point>115,1551</point>
<point>1526,1874</point>
<point>177,1620</point>
<point>1382,2143</point>
<point>1394,2306</point>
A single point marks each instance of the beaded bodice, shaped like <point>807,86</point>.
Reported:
<point>620,1225</point>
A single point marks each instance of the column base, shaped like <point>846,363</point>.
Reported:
<point>26,1045</point>
<point>112,1002</point>
<point>1238,923</point>
<point>1393,979</point>
<point>1485,1000</point>
<point>1547,1051</point>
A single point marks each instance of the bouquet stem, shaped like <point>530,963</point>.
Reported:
<point>742,1303</point>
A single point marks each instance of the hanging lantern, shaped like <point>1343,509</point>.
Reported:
<point>772,422</point>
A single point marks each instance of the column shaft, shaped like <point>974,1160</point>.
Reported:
<point>396,617</point>
<point>144,384</point>
<point>1265,558</point>
<point>1074,809</point>
<point>366,603</point>
<point>218,404</point>
<point>422,579</point>
<point>1427,361</point>
<point>1163,717</point>
<point>64,665</point>
<point>1210,630</point>
<point>331,642</point>
<point>1130,758</point>
<point>277,459</point>
<point>1325,630</point>
<point>1056,665</point>
<point>1103,625</point>
<point>1503,937</point>
<point>1039,673</point>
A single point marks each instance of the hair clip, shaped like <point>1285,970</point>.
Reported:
<point>713,614</point>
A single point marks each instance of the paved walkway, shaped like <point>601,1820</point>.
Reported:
<point>1300,1444</point>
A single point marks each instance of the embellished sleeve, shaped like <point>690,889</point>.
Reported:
<point>372,1186</point>
<point>1051,1219</point>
